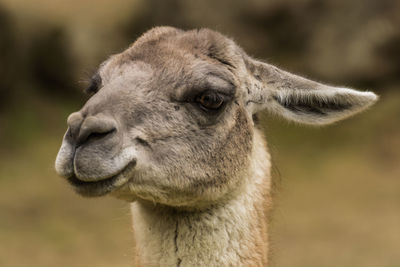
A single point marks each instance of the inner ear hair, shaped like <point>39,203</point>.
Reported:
<point>321,105</point>
<point>313,102</point>
<point>299,99</point>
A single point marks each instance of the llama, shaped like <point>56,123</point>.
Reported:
<point>170,128</point>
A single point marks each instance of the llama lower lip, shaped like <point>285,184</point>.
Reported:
<point>95,188</point>
<point>102,187</point>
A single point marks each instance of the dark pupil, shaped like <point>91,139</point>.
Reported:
<point>211,101</point>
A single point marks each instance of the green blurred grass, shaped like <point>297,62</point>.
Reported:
<point>337,193</point>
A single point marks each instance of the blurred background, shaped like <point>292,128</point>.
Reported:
<point>337,188</point>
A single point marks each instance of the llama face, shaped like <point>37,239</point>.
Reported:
<point>170,119</point>
<point>177,132</point>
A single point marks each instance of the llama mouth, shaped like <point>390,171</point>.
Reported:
<point>101,187</point>
<point>95,188</point>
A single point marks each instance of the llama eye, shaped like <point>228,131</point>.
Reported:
<point>95,84</point>
<point>210,101</point>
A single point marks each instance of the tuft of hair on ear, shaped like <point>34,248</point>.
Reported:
<point>322,106</point>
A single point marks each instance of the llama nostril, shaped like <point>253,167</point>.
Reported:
<point>93,135</point>
<point>95,128</point>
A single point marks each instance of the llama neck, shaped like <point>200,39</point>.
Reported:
<point>230,234</point>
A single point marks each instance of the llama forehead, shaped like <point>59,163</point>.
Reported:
<point>196,59</point>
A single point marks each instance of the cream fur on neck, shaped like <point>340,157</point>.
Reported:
<point>229,234</point>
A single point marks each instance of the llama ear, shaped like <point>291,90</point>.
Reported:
<point>299,99</point>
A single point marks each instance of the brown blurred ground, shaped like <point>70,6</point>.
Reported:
<point>337,188</point>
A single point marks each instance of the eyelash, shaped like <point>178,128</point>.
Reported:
<point>93,88</point>
<point>212,98</point>
<point>95,84</point>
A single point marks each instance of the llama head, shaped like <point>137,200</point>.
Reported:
<point>171,118</point>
